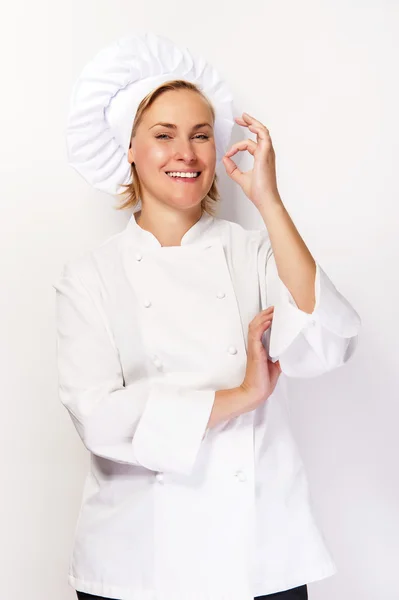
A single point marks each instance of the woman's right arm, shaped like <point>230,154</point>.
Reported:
<point>157,425</point>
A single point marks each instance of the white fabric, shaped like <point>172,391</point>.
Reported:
<point>106,96</point>
<point>146,336</point>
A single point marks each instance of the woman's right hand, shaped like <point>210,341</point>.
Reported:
<point>262,374</point>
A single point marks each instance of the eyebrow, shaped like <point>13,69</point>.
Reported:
<point>173,126</point>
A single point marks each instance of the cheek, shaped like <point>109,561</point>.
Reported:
<point>151,157</point>
<point>208,154</point>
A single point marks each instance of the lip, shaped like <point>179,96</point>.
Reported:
<point>182,171</point>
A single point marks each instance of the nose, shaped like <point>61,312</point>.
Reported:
<point>185,151</point>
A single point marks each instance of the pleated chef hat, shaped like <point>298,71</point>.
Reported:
<point>106,96</point>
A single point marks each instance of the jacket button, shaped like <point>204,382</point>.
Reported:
<point>147,303</point>
<point>157,362</point>
<point>240,476</point>
<point>139,256</point>
<point>220,294</point>
<point>159,477</point>
<point>232,350</point>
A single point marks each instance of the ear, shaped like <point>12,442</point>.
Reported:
<point>130,156</point>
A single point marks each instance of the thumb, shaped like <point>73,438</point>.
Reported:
<point>275,373</point>
<point>275,367</point>
<point>231,169</point>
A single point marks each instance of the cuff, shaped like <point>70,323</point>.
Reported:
<point>172,428</point>
<point>332,311</point>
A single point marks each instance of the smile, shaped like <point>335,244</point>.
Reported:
<point>191,175</point>
<point>183,177</point>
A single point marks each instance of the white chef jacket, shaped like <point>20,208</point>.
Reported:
<point>146,334</point>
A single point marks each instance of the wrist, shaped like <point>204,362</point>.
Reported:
<point>228,404</point>
<point>249,398</point>
<point>270,197</point>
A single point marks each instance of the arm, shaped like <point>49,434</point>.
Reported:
<point>306,344</point>
<point>296,266</point>
<point>229,404</point>
<point>158,426</point>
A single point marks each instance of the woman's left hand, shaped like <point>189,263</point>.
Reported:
<point>260,182</point>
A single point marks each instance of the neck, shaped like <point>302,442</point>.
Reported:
<point>168,225</point>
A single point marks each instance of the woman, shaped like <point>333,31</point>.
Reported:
<point>196,488</point>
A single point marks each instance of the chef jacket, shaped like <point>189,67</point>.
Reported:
<point>146,334</point>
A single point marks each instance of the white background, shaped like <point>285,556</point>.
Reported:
<point>323,78</point>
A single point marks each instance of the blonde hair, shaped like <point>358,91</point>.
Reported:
<point>131,195</point>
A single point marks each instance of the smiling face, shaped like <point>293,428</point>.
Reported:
<point>175,136</point>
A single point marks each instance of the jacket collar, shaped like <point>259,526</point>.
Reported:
<point>198,234</point>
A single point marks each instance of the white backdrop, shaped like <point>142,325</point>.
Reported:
<point>322,76</point>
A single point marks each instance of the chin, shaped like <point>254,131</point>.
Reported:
<point>187,203</point>
<point>184,203</point>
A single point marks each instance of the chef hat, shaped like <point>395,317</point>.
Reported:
<point>108,92</point>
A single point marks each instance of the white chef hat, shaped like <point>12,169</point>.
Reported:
<point>108,92</point>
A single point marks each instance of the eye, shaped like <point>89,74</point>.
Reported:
<point>162,136</point>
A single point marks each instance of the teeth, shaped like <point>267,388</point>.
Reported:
<point>178,174</point>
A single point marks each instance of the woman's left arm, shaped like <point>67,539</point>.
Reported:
<point>296,266</point>
<point>314,327</point>
<point>306,344</point>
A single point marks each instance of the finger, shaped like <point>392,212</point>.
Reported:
<point>258,329</point>
<point>267,312</point>
<point>260,132</point>
<point>249,145</point>
<point>247,118</point>
<point>262,316</point>
<point>265,318</point>
<point>232,170</point>
<point>255,126</point>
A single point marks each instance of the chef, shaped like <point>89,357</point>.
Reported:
<point>174,338</point>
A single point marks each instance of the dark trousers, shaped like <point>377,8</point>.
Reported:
<point>298,593</point>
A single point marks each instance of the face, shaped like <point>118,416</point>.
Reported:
<point>183,143</point>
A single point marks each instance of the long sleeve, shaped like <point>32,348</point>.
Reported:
<point>158,426</point>
<point>307,345</point>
